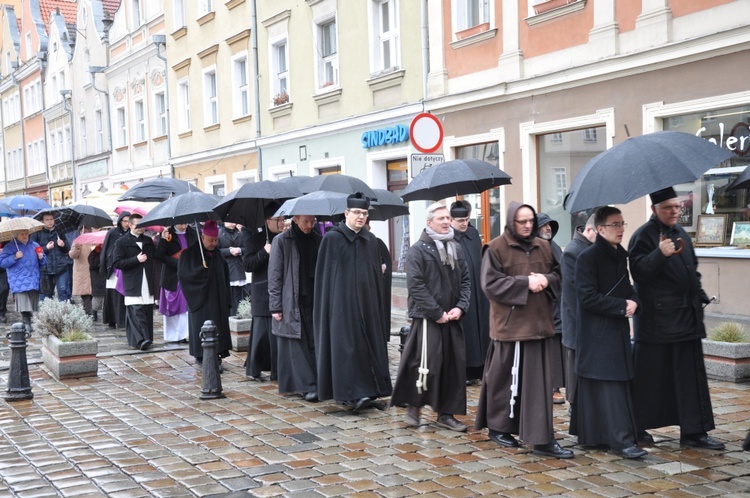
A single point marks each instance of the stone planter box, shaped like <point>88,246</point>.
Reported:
<point>70,360</point>
<point>239,329</point>
<point>728,361</point>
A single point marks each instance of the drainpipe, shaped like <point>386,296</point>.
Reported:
<point>94,70</point>
<point>66,94</point>
<point>14,81</point>
<point>254,38</point>
<point>159,40</point>
<point>425,52</point>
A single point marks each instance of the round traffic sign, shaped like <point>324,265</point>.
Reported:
<point>426,133</point>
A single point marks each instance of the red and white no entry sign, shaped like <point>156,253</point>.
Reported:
<point>426,133</point>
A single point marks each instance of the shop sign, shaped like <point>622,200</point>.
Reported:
<point>737,141</point>
<point>385,136</point>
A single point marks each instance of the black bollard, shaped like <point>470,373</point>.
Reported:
<point>19,386</point>
<point>211,384</point>
<point>403,334</point>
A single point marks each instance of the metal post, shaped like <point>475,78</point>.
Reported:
<point>211,383</point>
<point>19,387</point>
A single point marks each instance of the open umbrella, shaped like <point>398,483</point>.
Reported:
<point>452,178</point>
<point>388,205</point>
<point>158,189</point>
<point>107,201</point>
<point>91,238</point>
<point>247,204</point>
<point>69,218</point>
<point>344,184</point>
<point>295,181</point>
<point>642,165</point>
<point>26,204</point>
<point>742,181</point>
<point>323,204</point>
<point>7,211</point>
<point>192,207</point>
<point>9,228</point>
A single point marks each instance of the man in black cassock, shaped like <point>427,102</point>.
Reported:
<point>134,256</point>
<point>476,319</point>
<point>439,285</point>
<point>670,385</point>
<point>204,278</point>
<point>351,335</point>
<point>113,313</point>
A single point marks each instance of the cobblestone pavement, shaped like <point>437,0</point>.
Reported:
<point>140,429</point>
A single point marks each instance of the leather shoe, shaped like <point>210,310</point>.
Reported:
<point>702,441</point>
<point>311,397</point>
<point>552,449</point>
<point>412,416</point>
<point>630,452</point>
<point>145,345</point>
<point>361,404</point>
<point>504,439</point>
<point>644,438</point>
<point>447,421</point>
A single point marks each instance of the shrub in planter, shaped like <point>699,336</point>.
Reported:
<point>239,326</point>
<point>69,350</point>
<point>727,353</point>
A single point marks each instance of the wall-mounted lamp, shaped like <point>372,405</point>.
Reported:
<point>96,69</point>
<point>102,188</point>
<point>65,93</point>
<point>86,191</point>
<point>303,153</point>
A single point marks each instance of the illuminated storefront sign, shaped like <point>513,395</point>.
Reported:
<point>385,136</point>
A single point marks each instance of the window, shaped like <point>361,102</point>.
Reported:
<point>328,65</point>
<point>589,135</point>
<point>122,127</point>
<point>469,13</point>
<point>210,98</point>
<point>135,9</point>
<point>82,134</point>
<point>556,138</point>
<point>281,70</point>
<point>140,121</point>
<point>240,88</point>
<point>29,54</point>
<point>68,141</point>
<point>178,12</point>
<point>55,96</point>
<point>207,6</point>
<point>386,53</point>
<point>183,104</point>
<point>99,122</point>
<point>60,153</point>
<point>53,157</point>
<point>160,103</point>
<point>32,98</point>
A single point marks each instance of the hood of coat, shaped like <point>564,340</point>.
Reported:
<point>510,225</point>
<point>544,219</point>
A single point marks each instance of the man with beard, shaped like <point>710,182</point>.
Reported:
<point>439,285</point>
<point>113,313</point>
<point>204,277</point>
<point>261,353</point>
<point>521,279</point>
<point>230,244</point>
<point>291,288</point>
<point>476,320</point>
<point>351,335</point>
<point>134,256</point>
<point>670,385</point>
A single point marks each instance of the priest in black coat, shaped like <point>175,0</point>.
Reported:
<point>351,335</point>
<point>204,277</point>
<point>114,302</point>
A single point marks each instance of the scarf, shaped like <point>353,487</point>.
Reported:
<point>446,246</point>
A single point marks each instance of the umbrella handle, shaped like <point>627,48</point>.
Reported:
<point>679,244</point>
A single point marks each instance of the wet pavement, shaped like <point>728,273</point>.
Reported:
<point>140,429</point>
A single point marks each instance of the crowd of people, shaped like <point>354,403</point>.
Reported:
<point>531,323</point>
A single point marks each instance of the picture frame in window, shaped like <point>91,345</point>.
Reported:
<point>740,234</point>
<point>712,230</point>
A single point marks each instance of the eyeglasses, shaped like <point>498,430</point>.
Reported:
<point>358,213</point>
<point>616,226</point>
<point>525,222</point>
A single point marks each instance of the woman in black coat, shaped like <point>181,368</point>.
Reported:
<point>114,302</point>
<point>98,282</point>
<point>602,413</point>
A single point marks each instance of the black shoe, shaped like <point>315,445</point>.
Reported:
<point>412,416</point>
<point>644,438</point>
<point>447,421</point>
<point>311,397</point>
<point>746,443</point>
<point>361,404</point>
<point>221,368</point>
<point>630,452</point>
<point>552,449</point>
<point>145,345</point>
<point>701,441</point>
<point>504,439</point>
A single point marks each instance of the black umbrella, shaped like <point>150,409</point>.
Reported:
<point>157,190</point>
<point>322,204</point>
<point>295,181</point>
<point>388,205</point>
<point>642,165</point>
<point>742,181</point>
<point>344,184</point>
<point>191,207</point>
<point>452,178</point>
<point>246,205</point>
<point>69,218</point>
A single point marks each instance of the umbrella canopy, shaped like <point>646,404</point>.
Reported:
<point>7,211</point>
<point>141,208</point>
<point>344,184</point>
<point>9,228</point>
<point>25,204</point>
<point>456,177</point>
<point>186,208</point>
<point>323,204</point>
<point>91,238</point>
<point>158,189</point>
<point>69,218</point>
<point>388,205</point>
<point>246,205</point>
<point>106,201</point>
<point>742,181</point>
<point>295,181</point>
<point>642,165</point>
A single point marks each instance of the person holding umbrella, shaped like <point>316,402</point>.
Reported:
<point>81,281</point>
<point>56,248</point>
<point>670,386</point>
<point>172,303</point>
<point>23,259</point>
<point>230,244</point>
<point>113,313</point>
